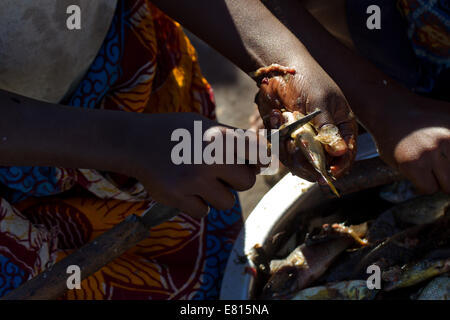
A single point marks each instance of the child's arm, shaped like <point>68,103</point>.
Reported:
<point>412,132</point>
<point>249,35</point>
<point>34,133</point>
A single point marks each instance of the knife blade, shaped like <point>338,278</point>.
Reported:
<point>157,214</point>
<point>294,125</point>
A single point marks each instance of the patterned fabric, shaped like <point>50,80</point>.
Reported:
<point>429,33</point>
<point>146,64</point>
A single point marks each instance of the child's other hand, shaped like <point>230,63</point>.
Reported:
<point>188,187</point>
<point>414,137</point>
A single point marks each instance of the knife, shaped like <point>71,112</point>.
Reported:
<point>286,130</point>
<point>51,284</point>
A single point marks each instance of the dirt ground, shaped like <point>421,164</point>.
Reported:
<point>234,92</point>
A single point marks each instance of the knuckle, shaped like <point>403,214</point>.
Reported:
<point>251,180</point>
<point>247,181</point>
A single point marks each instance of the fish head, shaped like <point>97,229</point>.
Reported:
<point>281,284</point>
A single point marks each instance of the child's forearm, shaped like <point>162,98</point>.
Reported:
<point>251,36</point>
<point>43,134</point>
<point>245,32</point>
<point>355,75</point>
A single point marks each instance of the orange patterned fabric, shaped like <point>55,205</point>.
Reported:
<point>168,68</point>
<point>161,267</point>
<point>146,64</point>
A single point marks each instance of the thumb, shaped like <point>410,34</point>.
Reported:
<point>329,132</point>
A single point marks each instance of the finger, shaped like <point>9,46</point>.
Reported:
<point>239,177</point>
<point>334,124</point>
<point>348,129</point>
<point>195,207</point>
<point>331,138</point>
<point>421,176</point>
<point>276,119</point>
<point>341,164</point>
<point>247,147</point>
<point>267,98</point>
<point>218,195</point>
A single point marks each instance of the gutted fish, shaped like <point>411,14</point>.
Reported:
<point>383,227</point>
<point>424,209</point>
<point>345,290</point>
<point>356,232</point>
<point>408,245</point>
<point>437,289</point>
<point>305,139</point>
<point>308,262</point>
<point>420,210</point>
<point>413,274</point>
<point>329,135</point>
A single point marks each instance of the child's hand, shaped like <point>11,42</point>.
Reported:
<point>307,90</point>
<point>188,187</point>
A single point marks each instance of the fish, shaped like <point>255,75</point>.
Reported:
<point>437,289</point>
<point>353,231</point>
<point>423,209</point>
<point>308,262</point>
<point>344,290</point>
<point>416,211</point>
<point>328,134</point>
<point>306,140</point>
<point>408,245</point>
<point>384,227</point>
<point>413,274</point>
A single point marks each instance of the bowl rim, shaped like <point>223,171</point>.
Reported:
<point>288,198</point>
<point>280,203</point>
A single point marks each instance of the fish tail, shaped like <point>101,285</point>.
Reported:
<point>330,184</point>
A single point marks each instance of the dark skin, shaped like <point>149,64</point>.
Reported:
<point>412,132</point>
<point>277,93</point>
<point>251,47</point>
<point>35,133</point>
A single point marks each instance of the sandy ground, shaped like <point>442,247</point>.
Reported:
<point>234,92</point>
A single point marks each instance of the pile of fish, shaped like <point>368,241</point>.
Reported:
<point>401,253</point>
<point>312,144</point>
